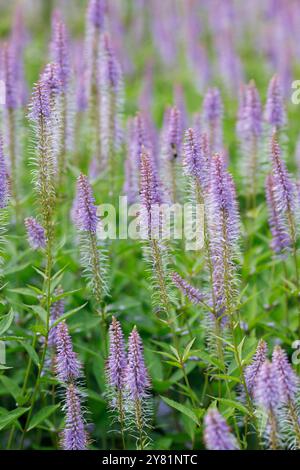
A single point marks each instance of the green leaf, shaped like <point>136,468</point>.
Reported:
<point>183,409</point>
<point>41,415</point>
<point>234,404</point>
<point>40,311</point>
<point>68,314</point>
<point>11,416</point>
<point>6,321</point>
<point>13,388</point>
<point>31,352</point>
<point>187,350</point>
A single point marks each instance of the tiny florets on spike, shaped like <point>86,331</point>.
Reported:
<point>51,77</point>
<point>35,233</point>
<point>137,378</point>
<point>4,181</point>
<point>96,12</point>
<point>281,239</point>
<point>74,435</point>
<point>111,72</point>
<point>195,160</point>
<point>193,294</point>
<point>68,367</point>
<point>174,134</point>
<point>40,104</point>
<point>212,118</point>
<point>252,370</point>
<point>274,111</point>
<point>85,213</point>
<point>117,361</point>
<point>252,116</point>
<point>217,434</point>
<point>56,311</point>
<point>59,49</point>
<point>8,73</point>
<point>266,392</point>
<point>286,377</point>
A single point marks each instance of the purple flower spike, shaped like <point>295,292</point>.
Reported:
<point>35,233</point>
<point>56,311</point>
<point>281,240</point>
<point>174,134</point>
<point>111,72</point>
<point>252,119</point>
<point>195,158</point>
<point>96,13</point>
<point>60,49</point>
<point>286,377</point>
<point>253,369</point>
<point>217,434</point>
<point>8,76</point>
<point>212,118</point>
<point>116,364</point>
<point>4,182</point>
<point>193,294</point>
<point>40,104</point>
<point>68,367</point>
<point>74,436</point>
<point>149,194</point>
<point>274,111</point>
<point>85,211</point>
<point>137,379</point>
<point>266,392</point>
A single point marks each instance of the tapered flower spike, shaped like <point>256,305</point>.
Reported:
<point>4,182</point>
<point>252,118</point>
<point>111,93</point>
<point>274,111</point>
<point>252,370</point>
<point>56,311</point>
<point>281,239</point>
<point>60,49</point>
<point>96,12</point>
<point>224,232</point>
<point>286,377</point>
<point>117,361</point>
<point>51,78</point>
<point>35,233</point>
<point>217,434</point>
<point>150,196</point>
<point>171,151</point>
<point>40,104</point>
<point>266,394</point>
<point>137,378</point>
<point>212,119</point>
<point>194,295</point>
<point>74,435</point>
<point>68,367</point>
<point>195,157</point>
<point>8,75</point>
<point>85,211</point>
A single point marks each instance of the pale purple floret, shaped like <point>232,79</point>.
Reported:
<point>274,111</point>
<point>217,434</point>
<point>195,157</point>
<point>68,367</point>
<point>56,311</point>
<point>281,240</point>
<point>117,361</point>
<point>60,49</point>
<point>4,181</point>
<point>287,379</point>
<point>252,370</point>
<point>74,436</point>
<point>137,378</point>
<point>85,210</point>
<point>96,12</point>
<point>194,295</point>
<point>266,392</point>
<point>150,195</point>
<point>35,233</point>
<point>40,103</point>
